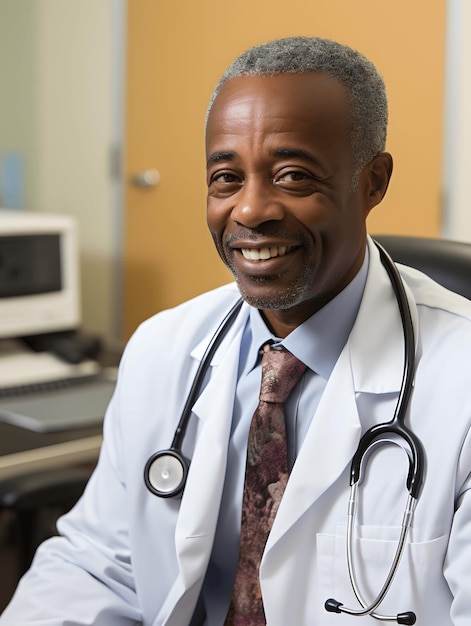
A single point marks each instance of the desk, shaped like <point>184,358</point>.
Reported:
<point>71,441</point>
<point>27,453</point>
<point>23,451</point>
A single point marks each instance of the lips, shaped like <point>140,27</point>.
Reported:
<point>263,254</point>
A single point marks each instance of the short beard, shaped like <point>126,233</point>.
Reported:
<point>293,295</point>
<point>285,300</point>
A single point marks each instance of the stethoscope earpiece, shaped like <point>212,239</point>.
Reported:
<point>408,618</point>
<point>165,473</point>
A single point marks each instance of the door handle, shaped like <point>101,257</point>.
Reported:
<point>146,178</point>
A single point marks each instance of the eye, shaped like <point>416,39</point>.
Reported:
<point>296,180</point>
<point>293,176</point>
<point>224,178</point>
<point>224,183</point>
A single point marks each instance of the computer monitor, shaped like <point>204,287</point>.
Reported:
<point>39,273</point>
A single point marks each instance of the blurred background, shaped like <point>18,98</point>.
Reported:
<point>102,117</point>
<point>102,109</point>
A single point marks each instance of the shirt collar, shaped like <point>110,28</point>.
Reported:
<point>319,341</point>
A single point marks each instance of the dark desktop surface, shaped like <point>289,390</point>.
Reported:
<point>46,418</point>
<point>31,436</point>
<point>75,405</point>
<point>14,439</point>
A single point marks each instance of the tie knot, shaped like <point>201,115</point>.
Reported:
<point>281,370</point>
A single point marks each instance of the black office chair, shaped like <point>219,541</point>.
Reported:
<point>36,500</point>
<point>446,261</point>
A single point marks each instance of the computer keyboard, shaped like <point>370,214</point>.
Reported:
<point>46,386</point>
<point>21,368</point>
<point>41,392</point>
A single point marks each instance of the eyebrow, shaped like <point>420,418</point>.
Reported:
<point>296,152</point>
<point>225,155</point>
<point>300,153</point>
<point>217,157</point>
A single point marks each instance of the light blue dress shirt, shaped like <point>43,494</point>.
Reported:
<point>318,343</point>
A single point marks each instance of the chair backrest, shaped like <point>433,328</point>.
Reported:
<point>448,262</point>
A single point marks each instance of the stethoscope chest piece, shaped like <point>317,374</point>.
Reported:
<point>165,473</point>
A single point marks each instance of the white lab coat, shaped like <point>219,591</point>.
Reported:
<point>148,556</point>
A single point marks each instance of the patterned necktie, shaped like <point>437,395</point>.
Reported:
<point>266,475</point>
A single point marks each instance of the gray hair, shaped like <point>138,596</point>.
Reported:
<point>299,55</point>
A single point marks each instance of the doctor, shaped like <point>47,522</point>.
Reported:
<point>295,162</point>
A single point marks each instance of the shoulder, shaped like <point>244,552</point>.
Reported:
<point>428,294</point>
<point>444,317</point>
<point>187,323</point>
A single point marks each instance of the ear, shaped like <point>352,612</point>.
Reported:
<point>376,176</point>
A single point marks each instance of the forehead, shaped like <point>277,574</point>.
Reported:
<point>305,103</point>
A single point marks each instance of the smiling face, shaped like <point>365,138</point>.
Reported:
<point>283,212</point>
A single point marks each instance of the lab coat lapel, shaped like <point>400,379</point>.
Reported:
<point>327,449</point>
<point>371,362</point>
<point>377,339</point>
<point>199,509</point>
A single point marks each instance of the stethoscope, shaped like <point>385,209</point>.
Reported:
<point>166,471</point>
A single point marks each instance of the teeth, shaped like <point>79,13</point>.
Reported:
<point>262,254</point>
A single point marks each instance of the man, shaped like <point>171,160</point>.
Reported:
<point>295,162</point>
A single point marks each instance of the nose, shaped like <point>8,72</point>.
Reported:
<point>257,203</point>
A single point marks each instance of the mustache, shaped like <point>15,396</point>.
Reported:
<point>268,230</point>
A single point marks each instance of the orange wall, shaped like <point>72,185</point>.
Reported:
<point>177,51</point>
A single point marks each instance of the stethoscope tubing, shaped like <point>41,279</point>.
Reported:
<point>388,432</point>
<point>397,423</point>
<point>195,389</point>
<point>166,471</point>
<point>369,609</point>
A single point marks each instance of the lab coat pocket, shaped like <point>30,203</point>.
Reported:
<point>418,585</point>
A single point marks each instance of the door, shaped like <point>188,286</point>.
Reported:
<point>176,53</point>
